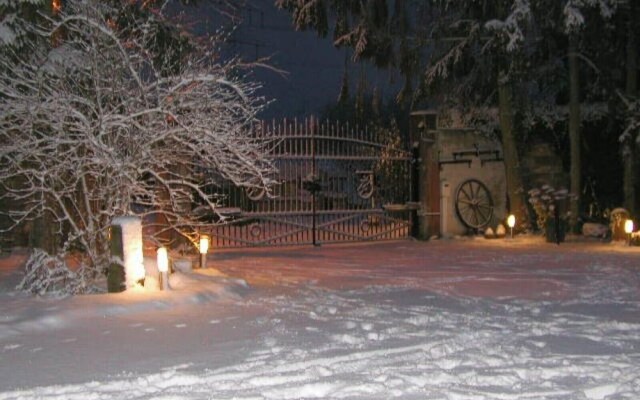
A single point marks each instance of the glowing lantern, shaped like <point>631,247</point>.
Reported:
<point>204,247</point>
<point>628,226</point>
<point>204,244</point>
<point>511,222</point>
<point>163,267</point>
<point>628,229</point>
<point>163,259</point>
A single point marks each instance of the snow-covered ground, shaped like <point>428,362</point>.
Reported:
<point>475,319</point>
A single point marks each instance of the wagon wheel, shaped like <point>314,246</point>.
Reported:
<point>474,204</point>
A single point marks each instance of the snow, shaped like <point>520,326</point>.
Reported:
<point>459,319</point>
<point>520,11</point>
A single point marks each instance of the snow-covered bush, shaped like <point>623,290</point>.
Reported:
<point>545,200</point>
<point>112,111</point>
<point>46,274</point>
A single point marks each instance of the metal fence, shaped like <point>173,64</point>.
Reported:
<point>336,183</point>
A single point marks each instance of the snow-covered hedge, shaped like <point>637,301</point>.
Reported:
<point>46,274</point>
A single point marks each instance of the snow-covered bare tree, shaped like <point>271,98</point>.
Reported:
<point>105,114</point>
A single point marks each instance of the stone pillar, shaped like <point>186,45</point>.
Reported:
<point>427,191</point>
<point>126,247</point>
<point>429,214</point>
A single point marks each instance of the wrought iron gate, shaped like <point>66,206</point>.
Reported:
<point>335,184</point>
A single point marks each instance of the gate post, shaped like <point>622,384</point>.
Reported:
<point>416,166</point>
<point>427,171</point>
<point>429,187</point>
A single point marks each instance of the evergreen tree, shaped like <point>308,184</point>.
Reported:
<point>537,61</point>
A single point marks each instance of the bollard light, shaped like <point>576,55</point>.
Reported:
<point>511,222</point>
<point>204,247</point>
<point>163,267</point>
<point>628,229</point>
<point>628,226</point>
<point>163,259</point>
<point>204,244</point>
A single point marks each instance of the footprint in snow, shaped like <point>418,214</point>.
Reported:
<point>347,339</point>
<point>350,325</point>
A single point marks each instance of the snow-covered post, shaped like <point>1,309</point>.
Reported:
<point>126,269</point>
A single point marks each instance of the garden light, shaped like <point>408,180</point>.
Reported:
<point>204,244</point>
<point>204,247</point>
<point>163,267</point>
<point>628,229</point>
<point>163,260</point>
<point>511,222</point>
<point>628,226</point>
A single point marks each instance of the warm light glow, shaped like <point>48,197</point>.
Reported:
<point>628,226</point>
<point>132,249</point>
<point>163,259</point>
<point>56,6</point>
<point>204,244</point>
<point>511,221</point>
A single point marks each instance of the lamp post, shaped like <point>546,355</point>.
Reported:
<point>163,267</point>
<point>628,229</point>
<point>204,247</point>
<point>511,222</point>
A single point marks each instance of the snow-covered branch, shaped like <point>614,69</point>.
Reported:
<point>511,26</point>
<point>574,18</point>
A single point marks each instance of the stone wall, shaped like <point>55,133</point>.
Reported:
<point>464,154</point>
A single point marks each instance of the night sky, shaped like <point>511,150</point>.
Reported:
<point>315,67</point>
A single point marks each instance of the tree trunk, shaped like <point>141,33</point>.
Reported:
<point>628,147</point>
<point>515,187</point>
<point>43,234</point>
<point>574,133</point>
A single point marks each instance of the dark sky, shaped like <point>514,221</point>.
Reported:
<point>315,67</point>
